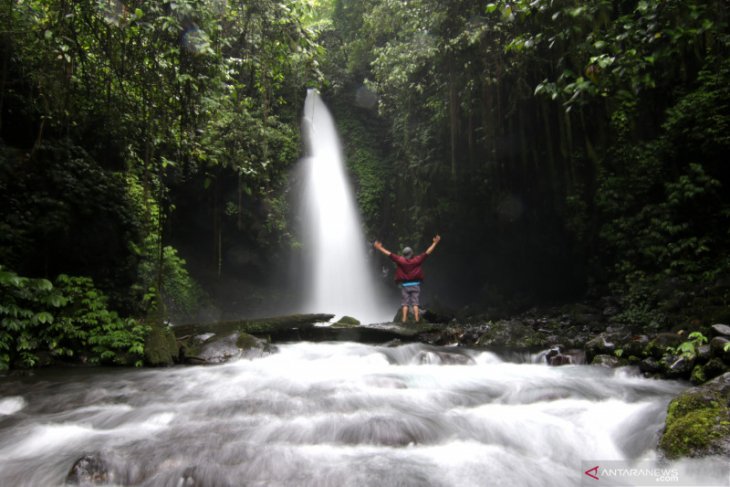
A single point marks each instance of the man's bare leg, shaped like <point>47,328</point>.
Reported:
<point>405,314</point>
<point>415,313</point>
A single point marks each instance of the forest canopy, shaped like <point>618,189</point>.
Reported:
<point>566,150</point>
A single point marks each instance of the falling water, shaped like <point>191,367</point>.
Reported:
<point>339,279</point>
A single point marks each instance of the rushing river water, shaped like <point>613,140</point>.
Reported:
<point>336,414</point>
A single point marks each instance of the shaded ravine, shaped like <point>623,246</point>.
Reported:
<point>339,414</point>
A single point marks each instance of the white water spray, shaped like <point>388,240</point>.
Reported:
<point>340,281</point>
<point>341,415</point>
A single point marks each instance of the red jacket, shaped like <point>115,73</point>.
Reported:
<point>408,269</point>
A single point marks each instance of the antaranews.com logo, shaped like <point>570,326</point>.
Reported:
<point>599,473</point>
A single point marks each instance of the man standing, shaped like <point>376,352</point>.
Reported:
<point>408,275</point>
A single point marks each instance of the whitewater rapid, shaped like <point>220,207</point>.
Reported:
<point>336,414</point>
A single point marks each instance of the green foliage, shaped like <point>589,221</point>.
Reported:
<point>662,203</point>
<point>574,139</point>
<point>165,93</point>
<point>368,164</point>
<point>180,295</point>
<point>41,322</point>
<point>63,213</point>
<point>690,347</point>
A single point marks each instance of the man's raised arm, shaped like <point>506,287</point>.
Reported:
<point>436,240</point>
<point>380,247</point>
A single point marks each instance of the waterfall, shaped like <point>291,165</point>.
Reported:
<point>338,278</point>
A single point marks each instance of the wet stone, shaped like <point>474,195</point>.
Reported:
<point>721,330</point>
<point>88,470</point>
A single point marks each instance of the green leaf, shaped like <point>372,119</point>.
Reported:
<point>44,317</point>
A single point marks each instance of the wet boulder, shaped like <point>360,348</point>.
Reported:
<point>556,357</point>
<point>160,346</point>
<point>210,348</point>
<point>605,360</point>
<point>714,368</point>
<point>677,366</point>
<point>719,348</point>
<point>634,346</point>
<point>650,366</point>
<point>600,345</point>
<point>659,345</point>
<point>721,330</point>
<point>703,372</point>
<point>91,469</point>
<point>698,421</point>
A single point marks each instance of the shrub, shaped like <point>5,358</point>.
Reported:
<point>68,320</point>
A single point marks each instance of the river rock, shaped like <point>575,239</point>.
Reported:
<point>650,366</point>
<point>703,372</point>
<point>90,469</point>
<point>698,375</point>
<point>160,347</point>
<point>210,348</point>
<point>555,358</point>
<point>600,345</point>
<point>704,353</point>
<point>677,366</point>
<point>721,330</point>
<point>661,342</point>
<point>717,348</point>
<point>715,367</point>
<point>605,360</point>
<point>698,421</point>
<point>635,346</point>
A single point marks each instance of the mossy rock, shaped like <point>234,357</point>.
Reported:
<point>658,346</point>
<point>698,375</point>
<point>346,322</point>
<point>262,327</point>
<point>246,341</point>
<point>698,421</point>
<point>160,346</point>
<point>604,360</point>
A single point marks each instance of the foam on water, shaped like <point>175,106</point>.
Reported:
<point>340,414</point>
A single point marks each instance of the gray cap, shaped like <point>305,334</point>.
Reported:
<point>407,252</point>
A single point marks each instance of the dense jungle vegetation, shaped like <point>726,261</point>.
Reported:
<point>566,150</point>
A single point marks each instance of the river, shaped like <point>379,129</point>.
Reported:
<point>337,414</point>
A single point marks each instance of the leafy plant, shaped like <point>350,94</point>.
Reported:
<point>690,347</point>
<point>40,322</point>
